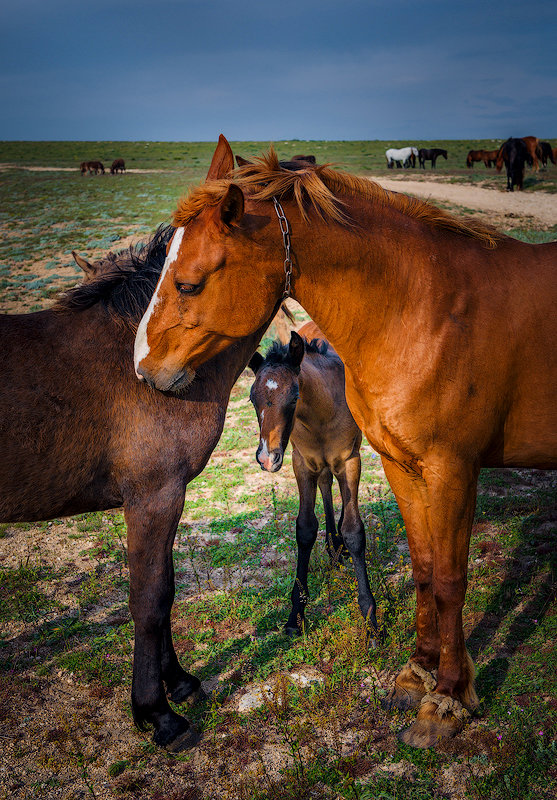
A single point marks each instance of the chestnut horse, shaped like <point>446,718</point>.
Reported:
<point>80,433</point>
<point>447,333</point>
<point>298,394</point>
<point>118,165</point>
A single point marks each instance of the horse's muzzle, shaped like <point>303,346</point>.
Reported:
<point>270,462</point>
<point>173,383</point>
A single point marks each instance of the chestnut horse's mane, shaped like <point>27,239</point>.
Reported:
<point>321,188</point>
<point>125,283</point>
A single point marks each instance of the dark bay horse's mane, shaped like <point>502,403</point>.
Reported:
<point>126,282</point>
<point>318,187</point>
<point>279,353</point>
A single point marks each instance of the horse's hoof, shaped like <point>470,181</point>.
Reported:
<point>292,631</point>
<point>184,741</point>
<point>429,728</point>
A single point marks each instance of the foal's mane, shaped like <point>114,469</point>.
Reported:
<point>321,188</point>
<point>125,283</point>
<point>278,353</point>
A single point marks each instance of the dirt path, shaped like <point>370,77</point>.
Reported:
<point>538,206</point>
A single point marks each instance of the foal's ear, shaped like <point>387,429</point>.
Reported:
<point>87,268</point>
<point>255,362</point>
<point>296,350</point>
<point>231,207</point>
<point>222,162</point>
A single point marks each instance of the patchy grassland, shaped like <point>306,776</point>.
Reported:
<point>66,636</point>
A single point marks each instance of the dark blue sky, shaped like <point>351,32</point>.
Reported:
<point>251,69</point>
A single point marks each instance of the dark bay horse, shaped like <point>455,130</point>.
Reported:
<point>92,167</point>
<point>118,165</point>
<point>514,155</point>
<point>430,155</point>
<point>447,333</point>
<point>80,433</point>
<point>489,157</point>
<point>298,395</point>
<point>545,153</point>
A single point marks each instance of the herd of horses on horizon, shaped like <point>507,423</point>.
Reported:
<point>514,154</point>
<point>148,347</point>
<point>97,167</point>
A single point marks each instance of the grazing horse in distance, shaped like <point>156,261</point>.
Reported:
<point>80,433</point>
<point>545,153</point>
<point>430,155</point>
<point>92,167</point>
<point>118,165</point>
<point>489,157</point>
<point>298,394</point>
<point>404,156</point>
<point>447,333</point>
<point>514,154</point>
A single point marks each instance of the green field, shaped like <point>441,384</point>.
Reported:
<point>66,637</point>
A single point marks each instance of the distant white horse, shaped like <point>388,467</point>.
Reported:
<point>406,157</point>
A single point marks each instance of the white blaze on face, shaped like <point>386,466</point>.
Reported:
<point>141,348</point>
<point>271,385</point>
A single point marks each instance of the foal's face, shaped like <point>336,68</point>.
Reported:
<point>274,395</point>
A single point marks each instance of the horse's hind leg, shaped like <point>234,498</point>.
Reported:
<point>354,537</point>
<point>152,526</point>
<point>335,544</point>
<point>306,534</point>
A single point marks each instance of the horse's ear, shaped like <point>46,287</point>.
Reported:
<point>231,207</point>
<point>296,350</point>
<point>87,268</point>
<point>222,162</point>
<point>242,161</point>
<point>255,362</point>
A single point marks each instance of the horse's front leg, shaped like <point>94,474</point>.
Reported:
<point>306,534</point>
<point>448,495</point>
<point>354,537</point>
<point>152,525</point>
<point>420,673</point>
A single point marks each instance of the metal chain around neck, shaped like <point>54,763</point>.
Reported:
<point>285,230</point>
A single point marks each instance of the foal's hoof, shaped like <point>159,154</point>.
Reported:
<point>187,690</point>
<point>184,741</point>
<point>429,729</point>
<point>175,733</point>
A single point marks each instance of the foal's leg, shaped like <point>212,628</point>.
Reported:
<point>354,537</point>
<point>334,539</point>
<point>448,494</point>
<point>306,534</point>
<point>152,525</point>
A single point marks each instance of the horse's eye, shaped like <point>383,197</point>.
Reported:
<point>188,288</point>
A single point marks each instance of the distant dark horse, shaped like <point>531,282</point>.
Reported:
<point>514,154</point>
<point>92,167</point>
<point>489,157</point>
<point>80,433</point>
<point>298,394</point>
<point>430,155</point>
<point>118,165</point>
<point>545,153</point>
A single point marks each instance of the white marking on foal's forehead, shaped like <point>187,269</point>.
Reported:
<point>271,384</point>
<point>141,347</point>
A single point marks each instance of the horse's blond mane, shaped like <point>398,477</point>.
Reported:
<point>321,188</point>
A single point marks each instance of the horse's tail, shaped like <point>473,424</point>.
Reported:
<point>469,159</point>
<point>500,158</point>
